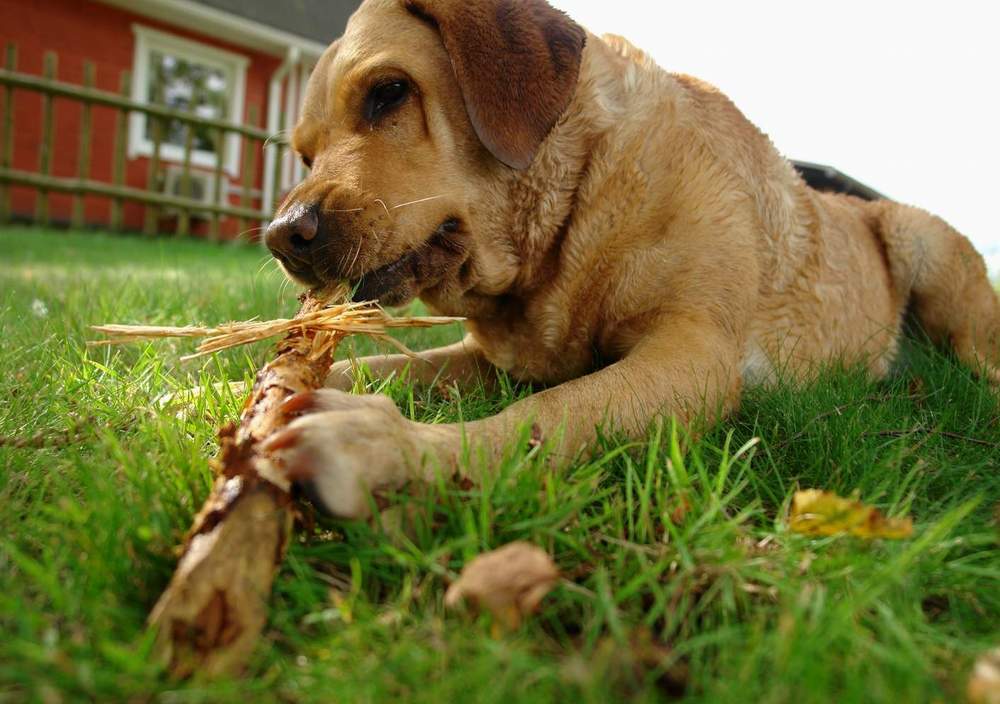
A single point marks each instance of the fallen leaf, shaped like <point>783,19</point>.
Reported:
<point>816,512</point>
<point>984,683</point>
<point>509,582</point>
<point>681,507</point>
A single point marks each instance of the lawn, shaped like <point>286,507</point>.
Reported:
<point>681,578</point>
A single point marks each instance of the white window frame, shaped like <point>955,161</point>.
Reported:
<point>148,40</point>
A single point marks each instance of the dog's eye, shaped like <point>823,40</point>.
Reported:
<point>306,161</point>
<point>384,97</point>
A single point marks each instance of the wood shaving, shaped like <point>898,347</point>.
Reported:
<point>322,325</point>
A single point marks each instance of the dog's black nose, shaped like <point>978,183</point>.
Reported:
<point>293,234</point>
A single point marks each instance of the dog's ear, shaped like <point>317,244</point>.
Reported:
<point>517,63</point>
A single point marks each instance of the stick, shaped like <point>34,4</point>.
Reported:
<point>212,613</point>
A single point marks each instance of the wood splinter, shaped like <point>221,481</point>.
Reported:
<point>211,615</point>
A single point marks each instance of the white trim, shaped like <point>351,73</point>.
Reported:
<point>284,107</point>
<point>224,25</point>
<point>290,119</point>
<point>299,172</point>
<point>234,65</point>
<point>211,54</point>
<point>274,125</point>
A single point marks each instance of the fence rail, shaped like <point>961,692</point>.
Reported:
<point>98,188</point>
<point>118,191</point>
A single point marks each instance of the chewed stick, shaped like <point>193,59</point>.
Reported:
<point>211,615</point>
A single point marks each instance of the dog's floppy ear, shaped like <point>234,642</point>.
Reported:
<point>517,63</point>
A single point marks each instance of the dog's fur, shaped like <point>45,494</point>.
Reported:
<point>615,232</point>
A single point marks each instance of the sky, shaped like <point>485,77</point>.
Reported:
<point>903,96</point>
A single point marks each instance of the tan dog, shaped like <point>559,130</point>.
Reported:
<point>576,202</point>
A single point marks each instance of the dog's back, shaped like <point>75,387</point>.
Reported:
<point>837,273</point>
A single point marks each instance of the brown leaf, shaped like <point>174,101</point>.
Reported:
<point>681,507</point>
<point>816,512</point>
<point>509,582</point>
<point>984,683</point>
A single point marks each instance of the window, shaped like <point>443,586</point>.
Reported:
<point>192,77</point>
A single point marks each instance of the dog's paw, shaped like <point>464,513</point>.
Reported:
<point>340,447</point>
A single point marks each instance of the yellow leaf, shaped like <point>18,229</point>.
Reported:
<point>816,512</point>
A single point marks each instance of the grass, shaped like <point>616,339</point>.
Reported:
<point>681,578</point>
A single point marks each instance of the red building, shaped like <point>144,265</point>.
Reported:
<point>222,59</point>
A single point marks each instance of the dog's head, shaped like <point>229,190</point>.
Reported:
<point>407,121</point>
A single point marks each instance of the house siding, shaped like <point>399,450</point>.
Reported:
<point>80,31</point>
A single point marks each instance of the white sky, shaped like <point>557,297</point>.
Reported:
<point>902,95</point>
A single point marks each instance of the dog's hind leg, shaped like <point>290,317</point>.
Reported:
<point>945,280</point>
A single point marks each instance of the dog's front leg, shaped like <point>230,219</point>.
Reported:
<point>687,369</point>
<point>344,445</point>
<point>462,363</point>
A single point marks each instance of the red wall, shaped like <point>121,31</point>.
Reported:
<point>78,31</point>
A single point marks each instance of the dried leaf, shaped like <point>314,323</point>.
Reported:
<point>509,582</point>
<point>984,683</point>
<point>816,512</point>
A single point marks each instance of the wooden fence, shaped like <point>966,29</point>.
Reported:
<point>254,140</point>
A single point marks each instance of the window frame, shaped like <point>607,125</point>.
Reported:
<point>148,40</point>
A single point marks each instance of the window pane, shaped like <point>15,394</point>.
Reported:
<point>187,85</point>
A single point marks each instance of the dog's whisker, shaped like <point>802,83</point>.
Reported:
<point>325,247</point>
<point>415,202</point>
<point>382,203</point>
<point>356,255</point>
<point>245,235</point>
<point>267,260</point>
<point>274,138</point>
<point>378,242</point>
<point>346,255</point>
<point>342,259</point>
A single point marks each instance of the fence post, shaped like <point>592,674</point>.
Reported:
<point>249,168</point>
<point>83,160</point>
<point>51,63</point>
<point>7,153</point>
<point>121,144</point>
<point>184,221</point>
<point>220,165</point>
<point>151,216</point>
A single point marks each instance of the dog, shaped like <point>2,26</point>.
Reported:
<point>620,235</point>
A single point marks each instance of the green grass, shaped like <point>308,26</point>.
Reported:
<point>718,603</point>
